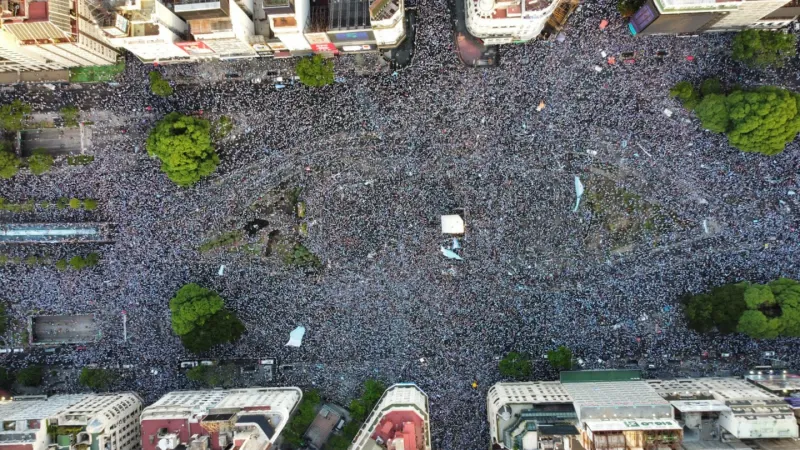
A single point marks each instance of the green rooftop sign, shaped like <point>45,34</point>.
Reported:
<point>592,376</point>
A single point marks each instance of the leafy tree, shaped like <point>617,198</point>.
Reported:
<point>515,365</point>
<point>158,85</point>
<point>699,310</point>
<point>757,295</point>
<point>6,379</point>
<point>96,379</point>
<point>560,358</point>
<point>90,204</point>
<point>728,301</point>
<point>711,86</point>
<point>74,203</point>
<point>40,162</point>
<point>70,114</point>
<point>9,164</point>
<point>315,71</point>
<point>12,115</point>
<point>62,265</point>
<point>200,319</point>
<point>338,442</point>
<point>686,94</point>
<point>756,325</point>
<point>183,144</point>
<point>628,7</point>
<point>298,424</point>
<point>713,113</point>
<point>77,262</point>
<point>30,376</point>
<point>92,259</point>
<point>763,120</point>
<point>762,48</point>
<point>362,406</point>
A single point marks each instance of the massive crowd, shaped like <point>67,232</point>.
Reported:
<point>380,156</point>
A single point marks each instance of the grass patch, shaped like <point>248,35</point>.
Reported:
<point>222,240</point>
<point>96,73</point>
<point>299,256</point>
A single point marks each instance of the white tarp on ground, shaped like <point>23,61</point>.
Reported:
<point>296,337</point>
<point>452,224</point>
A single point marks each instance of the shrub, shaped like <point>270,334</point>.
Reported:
<point>90,204</point>
<point>92,259</point>
<point>74,203</point>
<point>62,265</point>
<point>77,262</point>
<point>9,164</point>
<point>158,85</point>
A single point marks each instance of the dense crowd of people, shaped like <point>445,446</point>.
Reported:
<point>380,156</point>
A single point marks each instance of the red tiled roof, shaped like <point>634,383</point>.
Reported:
<point>406,425</point>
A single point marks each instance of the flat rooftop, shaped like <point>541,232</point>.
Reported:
<point>73,329</point>
<point>44,233</point>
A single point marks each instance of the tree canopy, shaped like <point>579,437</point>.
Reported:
<point>627,8</point>
<point>30,376</point>
<point>9,164</point>
<point>560,358</point>
<point>315,71</point>
<point>40,162</point>
<point>299,423</point>
<point>686,94</point>
<point>158,85</point>
<point>96,379</point>
<point>763,120</point>
<point>362,406</point>
<point>763,48</point>
<point>183,144</point>
<point>758,310</point>
<point>201,320</point>
<point>12,115</point>
<point>515,365</point>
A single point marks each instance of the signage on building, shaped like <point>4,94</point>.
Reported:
<point>197,48</point>
<point>277,46</point>
<point>324,48</point>
<point>352,36</point>
<point>317,38</point>
<point>359,48</point>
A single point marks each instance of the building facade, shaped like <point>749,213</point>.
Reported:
<point>505,21</point>
<point>248,419</point>
<point>698,16</point>
<point>54,34</point>
<point>223,29</point>
<point>399,421</point>
<point>149,30</point>
<point>617,409</point>
<point>67,422</point>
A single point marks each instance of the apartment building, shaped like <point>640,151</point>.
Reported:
<point>97,421</point>
<point>399,421</point>
<point>223,29</point>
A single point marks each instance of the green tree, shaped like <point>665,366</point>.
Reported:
<point>77,262</point>
<point>728,302</point>
<point>12,115</point>
<point>90,204</point>
<point>560,358</point>
<point>762,48</point>
<point>758,295</point>
<point>338,442</point>
<point>70,114</point>
<point>713,113</point>
<point>62,265</point>
<point>40,162</point>
<point>315,71</point>
<point>183,144</point>
<point>699,310</point>
<point>763,120</point>
<point>627,8</point>
<point>74,203</point>
<point>30,376</point>
<point>515,365</point>
<point>686,94</point>
<point>200,319</point>
<point>9,162</point>
<point>158,85</point>
<point>6,379</point>
<point>362,406</point>
<point>711,86</point>
<point>298,424</point>
<point>96,379</point>
<point>3,319</point>
<point>756,325</point>
<point>92,259</point>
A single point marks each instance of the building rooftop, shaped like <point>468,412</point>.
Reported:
<point>623,399</point>
<point>399,421</point>
<point>728,388</point>
<point>321,428</point>
<point>778,383</point>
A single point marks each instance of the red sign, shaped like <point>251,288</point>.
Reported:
<point>195,47</point>
<point>324,48</point>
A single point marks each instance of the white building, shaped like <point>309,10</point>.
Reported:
<point>505,21</point>
<point>224,27</point>
<point>249,419</point>
<point>14,57</point>
<point>149,30</point>
<point>697,16</point>
<point>55,33</point>
<point>388,22</point>
<point>399,421</point>
<point>97,420</point>
<point>289,21</point>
